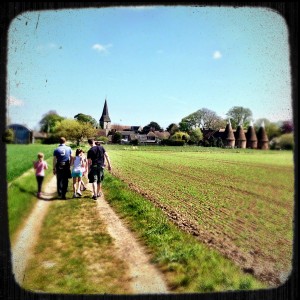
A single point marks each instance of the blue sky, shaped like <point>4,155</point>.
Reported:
<point>150,63</point>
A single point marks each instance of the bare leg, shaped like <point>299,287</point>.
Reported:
<point>94,184</point>
<point>79,183</point>
<point>99,189</point>
<point>74,185</point>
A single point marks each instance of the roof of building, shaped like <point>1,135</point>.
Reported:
<point>118,127</point>
<point>262,135</point>
<point>240,134</point>
<point>229,132</point>
<point>39,134</point>
<point>162,134</point>
<point>151,133</point>
<point>14,125</point>
<point>251,135</point>
<point>105,116</point>
<point>126,132</point>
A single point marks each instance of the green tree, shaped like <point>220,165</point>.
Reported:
<point>86,119</point>
<point>116,138</point>
<point>196,136</point>
<point>8,136</point>
<point>202,118</point>
<point>49,121</point>
<point>180,136</point>
<point>192,120</point>
<point>239,115</point>
<point>152,126</point>
<point>211,120</point>
<point>185,126</point>
<point>75,130</point>
<point>172,128</point>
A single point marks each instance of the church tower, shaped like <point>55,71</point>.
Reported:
<point>104,121</point>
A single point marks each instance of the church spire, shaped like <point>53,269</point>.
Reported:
<point>105,122</point>
<point>105,116</point>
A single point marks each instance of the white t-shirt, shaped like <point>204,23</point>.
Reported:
<point>77,164</point>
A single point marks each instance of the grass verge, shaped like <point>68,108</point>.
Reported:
<point>22,198</point>
<point>188,265</point>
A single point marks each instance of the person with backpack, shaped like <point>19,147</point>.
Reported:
<point>96,161</point>
<point>62,156</point>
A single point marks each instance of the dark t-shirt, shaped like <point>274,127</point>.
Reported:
<point>96,154</point>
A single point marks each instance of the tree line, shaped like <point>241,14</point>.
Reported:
<point>189,129</point>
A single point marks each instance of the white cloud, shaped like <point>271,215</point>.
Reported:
<point>101,48</point>
<point>12,101</point>
<point>47,46</point>
<point>217,55</point>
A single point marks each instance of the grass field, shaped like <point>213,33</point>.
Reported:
<point>239,202</point>
<point>19,158</point>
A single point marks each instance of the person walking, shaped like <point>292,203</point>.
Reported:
<point>61,167</point>
<point>96,161</point>
<point>77,163</point>
<point>84,171</point>
<point>40,166</point>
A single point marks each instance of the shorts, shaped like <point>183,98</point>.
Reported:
<point>96,174</point>
<point>76,174</point>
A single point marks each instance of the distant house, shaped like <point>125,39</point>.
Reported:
<point>22,134</point>
<point>153,137</point>
<point>38,136</point>
<point>127,136</point>
<point>162,135</point>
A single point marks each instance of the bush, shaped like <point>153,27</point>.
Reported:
<point>274,144</point>
<point>172,143</point>
<point>116,138</point>
<point>134,142</point>
<point>180,136</point>
<point>8,136</point>
<point>284,142</point>
<point>104,139</point>
<point>51,139</point>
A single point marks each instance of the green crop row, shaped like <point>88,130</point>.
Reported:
<point>244,197</point>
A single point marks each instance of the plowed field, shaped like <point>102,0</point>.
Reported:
<point>238,202</point>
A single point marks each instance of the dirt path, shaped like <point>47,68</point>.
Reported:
<point>145,277</point>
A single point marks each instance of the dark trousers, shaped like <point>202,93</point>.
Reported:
<point>39,180</point>
<point>62,179</point>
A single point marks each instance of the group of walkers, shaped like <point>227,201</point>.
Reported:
<point>66,166</point>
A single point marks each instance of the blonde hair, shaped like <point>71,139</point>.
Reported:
<point>40,155</point>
